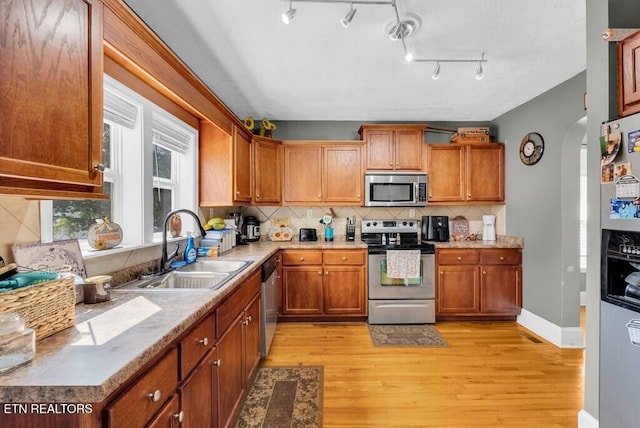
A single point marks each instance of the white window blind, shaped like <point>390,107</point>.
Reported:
<point>170,136</point>
<point>119,110</point>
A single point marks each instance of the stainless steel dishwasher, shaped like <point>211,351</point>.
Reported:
<point>269,316</point>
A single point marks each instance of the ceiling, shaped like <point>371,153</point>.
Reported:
<point>314,69</point>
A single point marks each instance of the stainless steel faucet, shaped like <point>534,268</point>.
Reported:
<point>164,260</point>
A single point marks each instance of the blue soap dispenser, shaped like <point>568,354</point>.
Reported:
<point>190,252</point>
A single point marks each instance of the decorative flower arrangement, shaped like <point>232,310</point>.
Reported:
<point>266,126</point>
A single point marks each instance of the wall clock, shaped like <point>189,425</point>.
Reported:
<point>531,148</point>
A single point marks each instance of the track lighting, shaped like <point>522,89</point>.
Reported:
<point>480,71</point>
<point>348,17</point>
<point>436,72</point>
<point>289,14</point>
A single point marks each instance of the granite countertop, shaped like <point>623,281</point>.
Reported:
<point>112,340</point>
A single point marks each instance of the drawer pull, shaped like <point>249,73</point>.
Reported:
<point>459,258</point>
<point>501,258</point>
<point>301,259</point>
<point>155,396</point>
<point>344,258</point>
<point>249,318</point>
<point>179,416</point>
<point>217,363</point>
<point>204,342</point>
<point>320,273</point>
<point>99,167</point>
<point>484,272</point>
<point>326,273</point>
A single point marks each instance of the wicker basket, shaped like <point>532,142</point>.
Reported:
<point>48,307</point>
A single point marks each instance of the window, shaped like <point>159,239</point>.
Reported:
<point>150,160</point>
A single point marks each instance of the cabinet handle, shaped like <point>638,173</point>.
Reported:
<point>99,167</point>
<point>344,258</point>
<point>179,416</point>
<point>249,318</point>
<point>501,258</point>
<point>468,195</point>
<point>397,163</point>
<point>301,259</point>
<point>319,196</point>
<point>204,342</point>
<point>320,273</point>
<point>459,258</point>
<point>217,363</point>
<point>257,196</point>
<point>484,272</point>
<point>326,273</point>
<point>390,163</point>
<point>155,396</point>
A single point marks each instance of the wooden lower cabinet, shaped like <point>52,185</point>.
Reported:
<point>198,394</point>
<point>479,283</point>
<point>323,284</point>
<point>170,416</point>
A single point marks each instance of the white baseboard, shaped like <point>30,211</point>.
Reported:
<point>583,298</point>
<point>562,337</point>
<point>585,420</point>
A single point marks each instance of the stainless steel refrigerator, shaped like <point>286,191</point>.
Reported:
<point>620,282</point>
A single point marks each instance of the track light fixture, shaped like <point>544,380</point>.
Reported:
<point>348,17</point>
<point>436,72</point>
<point>399,29</point>
<point>289,14</point>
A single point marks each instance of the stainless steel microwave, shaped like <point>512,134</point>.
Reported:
<point>395,189</point>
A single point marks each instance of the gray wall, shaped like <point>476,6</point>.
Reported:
<point>534,195</point>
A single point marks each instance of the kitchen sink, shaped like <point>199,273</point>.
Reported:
<point>203,275</point>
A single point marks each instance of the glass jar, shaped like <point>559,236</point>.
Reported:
<point>17,342</point>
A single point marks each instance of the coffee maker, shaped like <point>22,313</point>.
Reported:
<point>241,238</point>
<point>252,227</point>
<point>435,228</point>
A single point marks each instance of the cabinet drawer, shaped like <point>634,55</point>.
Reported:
<point>302,257</point>
<point>136,406</point>
<point>458,257</point>
<point>196,344</point>
<point>343,257</point>
<point>501,257</point>
<point>230,308</point>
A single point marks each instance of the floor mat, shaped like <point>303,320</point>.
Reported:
<point>284,397</point>
<point>406,335</point>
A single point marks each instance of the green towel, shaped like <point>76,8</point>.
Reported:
<point>24,279</point>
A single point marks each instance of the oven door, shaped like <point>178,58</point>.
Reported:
<point>383,287</point>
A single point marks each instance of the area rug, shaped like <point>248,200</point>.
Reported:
<point>284,397</point>
<point>406,335</point>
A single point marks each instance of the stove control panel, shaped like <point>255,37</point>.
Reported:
<point>389,226</point>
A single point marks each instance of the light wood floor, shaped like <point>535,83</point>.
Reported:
<point>493,374</point>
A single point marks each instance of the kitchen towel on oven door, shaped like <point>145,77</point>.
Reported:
<point>403,263</point>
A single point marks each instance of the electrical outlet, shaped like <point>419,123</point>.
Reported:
<point>310,213</point>
<point>412,213</point>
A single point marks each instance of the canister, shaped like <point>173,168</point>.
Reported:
<point>97,289</point>
<point>17,342</point>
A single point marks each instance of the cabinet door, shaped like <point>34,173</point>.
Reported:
<point>170,416</point>
<point>51,97</point>
<point>458,290</point>
<point>342,174</point>
<point>629,75</point>
<point>268,172</point>
<point>242,167</point>
<point>302,290</point>
<point>380,149</point>
<point>500,290</point>
<point>302,174</point>
<point>485,172</point>
<point>408,149</point>
<point>215,156</point>
<point>446,179</point>
<point>230,371</point>
<point>197,394</point>
<point>252,338</point>
<point>344,290</point>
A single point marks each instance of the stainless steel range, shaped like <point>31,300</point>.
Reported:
<point>399,300</point>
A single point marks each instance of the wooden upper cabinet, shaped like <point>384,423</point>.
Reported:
<point>342,174</point>
<point>225,167</point>
<point>393,147</point>
<point>241,166</point>
<point>302,174</point>
<point>328,173</point>
<point>51,99</point>
<point>464,173</point>
<point>629,75</point>
<point>267,156</point>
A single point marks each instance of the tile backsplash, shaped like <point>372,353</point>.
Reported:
<point>299,216</point>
